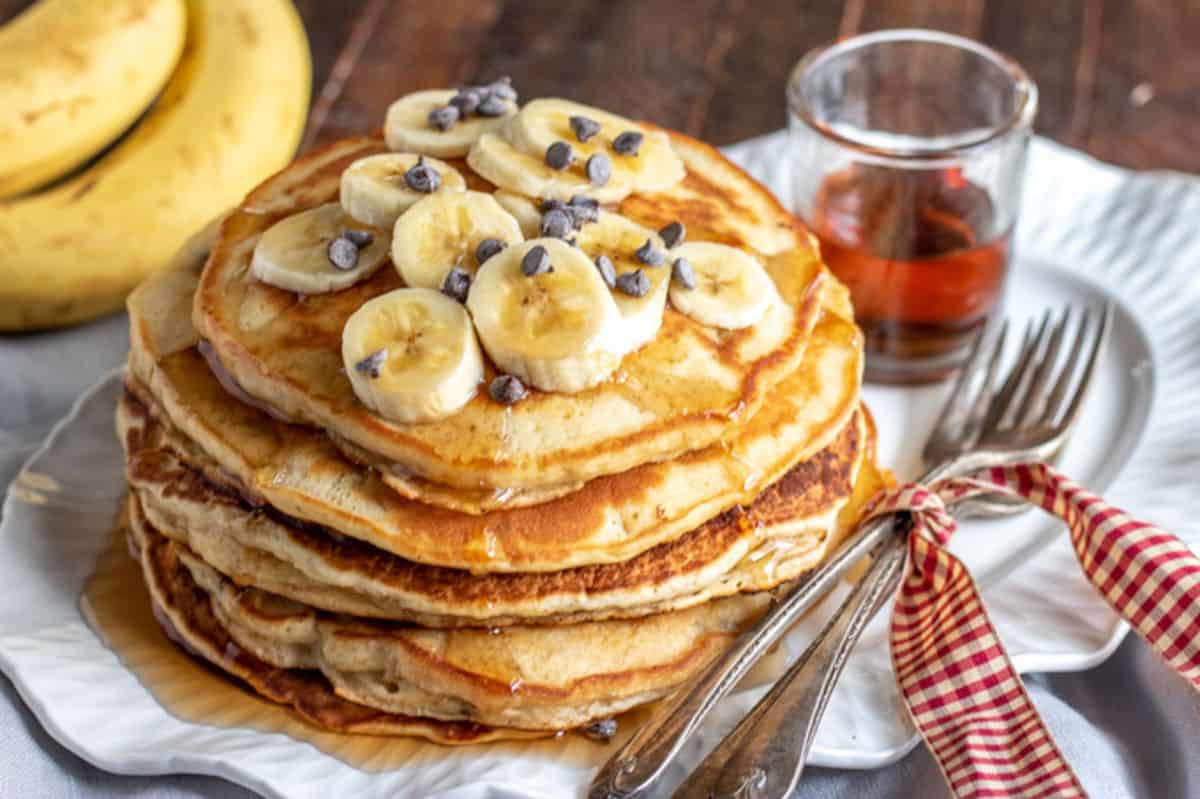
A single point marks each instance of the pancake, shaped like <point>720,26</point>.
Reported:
<point>679,393</point>
<point>186,615</point>
<point>780,536</point>
<point>528,678</point>
<point>610,519</point>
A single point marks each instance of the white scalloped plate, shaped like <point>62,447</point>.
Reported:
<point>1087,231</point>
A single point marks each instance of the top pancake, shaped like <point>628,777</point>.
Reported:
<point>677,394</point>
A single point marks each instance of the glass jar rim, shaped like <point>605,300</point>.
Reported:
<point>1021,116</point>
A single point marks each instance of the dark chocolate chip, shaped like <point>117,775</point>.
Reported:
<point>550,205</point>
<point>423,178</point>
<point>372,364</point>
<point>628,142</point>
<point>582,214</point>
<point>343,254</point>
<point>601,731</point>
<point>673,234</point>
<point>467,101</point>
<point>487,248</point>
<point>559,155</point>
<point>457,284</point>
<point>608,272</point>
<point>599,169</point>
<point>503,89</point>
<point>584,128</point>
<point>443,117</point>
<point>535,262</point>
<point>492,106</point>
<point>634,283</point>
<point>650,255</point>
<point>683,273</point>
<point>361,238</point>
<point>583,201</point>
<point>507,390</point>
<point>556,223</point>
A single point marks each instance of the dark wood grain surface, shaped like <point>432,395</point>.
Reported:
<point>1118,78</point>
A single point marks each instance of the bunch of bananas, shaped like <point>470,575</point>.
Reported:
<point>125,125</point>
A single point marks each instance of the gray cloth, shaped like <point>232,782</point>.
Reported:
<point>1130,727</point>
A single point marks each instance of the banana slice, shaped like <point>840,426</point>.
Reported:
<point>732,289</point>
<point>375,191</point>
<point>499,163</point>
<point>524,210</point>
<point>407,126</point>
<point>443,231</point>
<point>619,239</point>
<point>412,356</point>
<point>307,253</point>
<point>543,122</point>
<point>556,329</point>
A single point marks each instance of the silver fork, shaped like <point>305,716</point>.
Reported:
<point>1029,416</point>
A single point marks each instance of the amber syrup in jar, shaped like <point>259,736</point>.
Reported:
<point>924,262</point>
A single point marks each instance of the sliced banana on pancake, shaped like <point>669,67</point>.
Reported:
<point>499,163</point>
<point>642,161</point>
<point>318,251</point>
<point>732,289</point>
<point>620,240</point>
<point>523,209</point>
<point>444,231</point>
<point>378,188</point>
<point>545,315</point>
<point>412,356</point>
<point>408,125</point>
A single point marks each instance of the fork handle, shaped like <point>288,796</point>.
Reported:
<point>642,760</point>
<point>765,755</point>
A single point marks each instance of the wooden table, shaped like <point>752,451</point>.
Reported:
<point>1118,78</point>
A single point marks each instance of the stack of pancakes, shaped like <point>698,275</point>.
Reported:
<point>507,571</point>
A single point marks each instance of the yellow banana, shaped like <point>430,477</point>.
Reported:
<point>74,74</point>
<point>231,115</point>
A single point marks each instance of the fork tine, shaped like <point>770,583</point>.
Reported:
<point>1036,395</point>
<point>1058,394</point>
<point>983,398</point>
<point>1002,402</point>
<point>966,374</point>
<point>1081,388</point>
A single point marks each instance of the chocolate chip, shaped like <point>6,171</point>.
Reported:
<point>628,142</point>
<point>342,254</point>
<point>650,255</point>
<point>601,731</point>
<point>422,177</point>
<point>503,89</point>
<point>582,214</point>
<point>487,248</point>
<point>583,201</point>
<point>535,262</point>
<point>550,205</point>
<point>507,390</point>
<point>457,284</point>
<point>556,223</point>
<point>492,106</point>
<point>634,283</point>
<point>361,238</point>
<point>372,364</point>
<point>443,117</point>
<point>608,272</point>
<point>599,169</point>
<point>683,273</point>
<point>467,100</point>
<point>559,155</point>
<point>584,128</point>
<point>673,234</point>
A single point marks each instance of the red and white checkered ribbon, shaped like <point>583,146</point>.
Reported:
<point>960,688</point>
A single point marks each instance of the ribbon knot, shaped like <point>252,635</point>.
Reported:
<point>958,684</point>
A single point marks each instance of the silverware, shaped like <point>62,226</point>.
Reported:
<point>641,762</point>
<point>1028,417</point>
